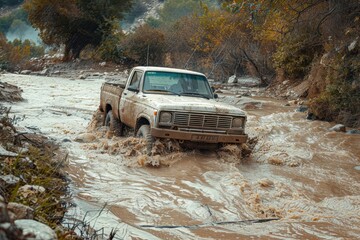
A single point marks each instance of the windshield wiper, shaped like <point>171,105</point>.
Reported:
<point>162,90</point>
<point>193,94</point>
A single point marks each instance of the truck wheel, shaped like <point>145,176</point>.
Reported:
<point>114,124</point>
<point>144,132</point>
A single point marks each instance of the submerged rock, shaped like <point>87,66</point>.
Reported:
<point>40,230</point>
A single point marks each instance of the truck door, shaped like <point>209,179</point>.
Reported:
<point>129,108</point>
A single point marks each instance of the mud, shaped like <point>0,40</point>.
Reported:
<point>299,172</point>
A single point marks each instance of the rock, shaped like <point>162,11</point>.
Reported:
<point>30,191</point>
<point>353,131</point>
<point>311,116</point>
<point>83,76</point>
<point>20,211</point>
<point>302,108</point>
<point>232,79</point>
<point>352,46</point>
<point>25,72</point>
<point>102,64</point>
<point>338,128</point>
<point>5,153</point>
<point>85,138</point>
<point>40,230</point>
<point>44,72</point>
<point>9,180</point>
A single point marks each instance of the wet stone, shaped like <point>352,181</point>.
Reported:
<point>9,180</point>
<point>338,128</point>
<point>232,79</point>
<point>25,72</point>
<point>311,116</point>
<point>353,131</point>
<point>40,230</point>
<point>302,109</point>
<point>5,153</point>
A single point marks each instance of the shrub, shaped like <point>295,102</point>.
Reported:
<point>340,101</point>
<point>145,46</point>
<point>110,49</point>
<point>295,54</point>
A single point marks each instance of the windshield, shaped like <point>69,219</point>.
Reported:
<point>176,83</point>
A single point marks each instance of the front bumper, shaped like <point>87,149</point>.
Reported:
<point>198,137</point>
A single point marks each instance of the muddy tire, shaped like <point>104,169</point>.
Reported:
<point>114,124</point>
<point>144,132</point>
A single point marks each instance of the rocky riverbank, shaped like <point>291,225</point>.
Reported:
<point>32,184</point>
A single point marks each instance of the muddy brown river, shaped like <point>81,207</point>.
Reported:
<point>300,182</point>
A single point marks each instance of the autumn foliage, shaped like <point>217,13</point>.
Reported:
<point>16,54</point>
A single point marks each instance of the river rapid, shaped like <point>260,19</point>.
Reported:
<point>300,176</point>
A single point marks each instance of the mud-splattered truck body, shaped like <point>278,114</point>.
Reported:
<point>171,103</point>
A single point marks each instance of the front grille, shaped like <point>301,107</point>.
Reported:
<point>202,120</point>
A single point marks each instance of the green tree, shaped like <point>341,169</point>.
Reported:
<point>75,23</point>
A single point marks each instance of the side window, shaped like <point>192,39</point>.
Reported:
<point>135,80</point>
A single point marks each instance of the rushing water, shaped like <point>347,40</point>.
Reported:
<point>299,172</point>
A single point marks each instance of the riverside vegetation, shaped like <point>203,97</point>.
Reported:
<point>34,191</point>
<point>309,43</point>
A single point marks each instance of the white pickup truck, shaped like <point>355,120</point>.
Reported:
<point>160,102</point>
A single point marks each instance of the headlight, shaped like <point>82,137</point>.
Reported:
<point>165,117</point>
<point>237,122</point>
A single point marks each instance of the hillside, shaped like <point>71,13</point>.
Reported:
<point>308,50</point>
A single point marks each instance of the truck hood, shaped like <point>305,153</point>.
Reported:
<point>190,104</point>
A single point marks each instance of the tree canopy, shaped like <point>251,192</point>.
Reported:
<point>75,23</point>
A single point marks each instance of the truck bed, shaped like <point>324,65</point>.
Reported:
<point>110,96</point>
